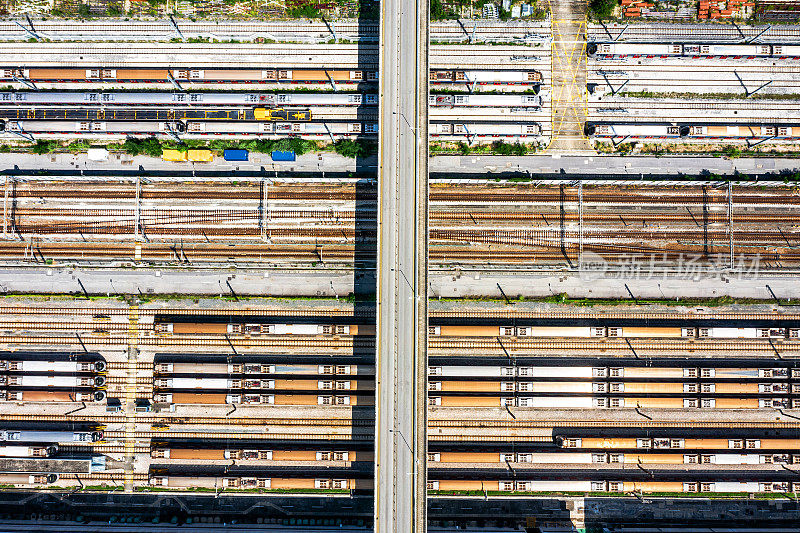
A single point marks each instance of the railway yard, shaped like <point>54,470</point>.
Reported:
<point>545,411</point>
<point>492,226</point>
<point>278,398</point>
<point>641,86</point>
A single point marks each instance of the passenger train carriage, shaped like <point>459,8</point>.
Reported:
<point>36,436</point>
<point>667,131</point>
<point>442,130</point>
<point>616,332</point>
<point>481,77</point>
<point>692,50</point>
<point>602,486</point>
<point>188,76</point>
<point>190,128</point>
<point>61,98</point>
<point>193,76</point>
<point>485,100</point>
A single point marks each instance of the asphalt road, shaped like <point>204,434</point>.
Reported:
<point>598,166</point>
<point>400,441</point>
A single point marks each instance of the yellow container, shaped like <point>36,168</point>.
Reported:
<point>204,156</point>
<point>174,155</point>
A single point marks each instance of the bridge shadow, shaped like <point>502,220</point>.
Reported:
<point>365,258</point>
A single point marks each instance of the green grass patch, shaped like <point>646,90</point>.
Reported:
<point>565,299</point>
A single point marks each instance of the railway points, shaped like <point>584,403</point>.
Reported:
<point>708,227</point>
<point>185,440</point>
<point>568,23</point>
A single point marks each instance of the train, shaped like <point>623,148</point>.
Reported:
<point>616,332</point>
<point>467,401</point>
<point>249,454</point>
<point>47,436</point>
<point>240,328</point>
<point>676,442</point>
<point>300,115</point>
<point>604,457</point>
<point>601,486</point>
<point>578,372</point>
<point>50,396</point>
<point>47,381</point>
<point>197,127</point>
<point>586,387</point>
<point>28,451</point>
<point>485,100</point>
<point>701,332</point>
<point>223,482</point>
<point>221,398</point>
<point>667,131</point>
<point>680,484</point>
<point>24,480</point>
<point>442,130</point>
<point>692,50</point>
<point>670,448</point>
<point>262,368</point>
<point>7,365</point>
<point>12,114</point>
<point>62,98</point>
<point>449,130</point>
<point>254,384</point>
<point>210,99</point>
<point>353,477</point>
<point>483,77</point>
<point>188,76</point>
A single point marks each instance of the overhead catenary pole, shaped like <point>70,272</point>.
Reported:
<point>580,225</point>
<point>264,209</point>
<point>5,207</point>
<point>730,221</point>
<point>137,209</point>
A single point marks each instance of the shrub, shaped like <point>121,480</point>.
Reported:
<point>78,146</point>
<point>150,146</point>
<point>307,11</point>
<point>44,147</point>
<point>354,149</point>
<point>603,9</point>
<point>502,148</point>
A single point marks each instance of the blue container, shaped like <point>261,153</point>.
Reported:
<point>278,155</point>
<point>235,155</point>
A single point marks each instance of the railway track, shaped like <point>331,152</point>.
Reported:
<point>440,193</point>
<point>664,76</point>
<point>247,55</point>
<point>101,311</point>
<point>209,221</point>
<point>106,420</point>
<point>692,33</point>
<point>283,344</point>
<point>661,423</point>
<point>650,109</point>
<point>559,346</point>
<point>669,221</point>
<point>717,254</point>
<point>283,31</point>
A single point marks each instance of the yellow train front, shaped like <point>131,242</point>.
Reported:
<point>291,115</point>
